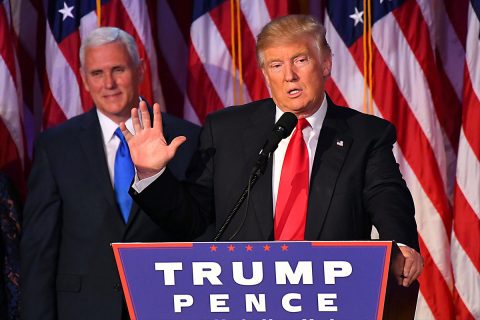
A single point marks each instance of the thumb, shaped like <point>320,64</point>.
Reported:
<point>177,142</point>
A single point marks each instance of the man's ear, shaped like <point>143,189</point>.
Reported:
<point>327,66</point>
<point>83,75</point>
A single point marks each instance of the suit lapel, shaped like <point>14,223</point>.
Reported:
<point>333,145</point>
<point>262,122</point>
<point>91,141</point>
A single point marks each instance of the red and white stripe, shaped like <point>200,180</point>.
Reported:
<point>12,151</point>
<point>466,224</point>
<point>412,89</point>
<point>211,58</point>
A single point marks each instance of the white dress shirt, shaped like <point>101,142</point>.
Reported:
<point>310,135</point>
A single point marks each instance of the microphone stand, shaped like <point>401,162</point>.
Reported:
<point>257,171</point>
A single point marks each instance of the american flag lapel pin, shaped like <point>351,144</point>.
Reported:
<point>340,143</point>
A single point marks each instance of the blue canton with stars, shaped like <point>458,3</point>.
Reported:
<point>64,16</point>
<point>348,16</point>
<point>200,7</point>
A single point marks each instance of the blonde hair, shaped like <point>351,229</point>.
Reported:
<point>287,29</point>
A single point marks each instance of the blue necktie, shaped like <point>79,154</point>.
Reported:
<point>124,172</point>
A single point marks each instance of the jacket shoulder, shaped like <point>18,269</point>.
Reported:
<point>238,113</point>
<point>68,129</point>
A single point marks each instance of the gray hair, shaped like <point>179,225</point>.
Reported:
<point>287,29</point>
<point>106,35</point>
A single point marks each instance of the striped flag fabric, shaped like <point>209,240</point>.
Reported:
<point>403,61</point>
<point>12,138</point>
<point>222,69</point>
<point>466,221</point>
<point>67,23</point>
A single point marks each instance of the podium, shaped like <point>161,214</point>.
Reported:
<point>264,280</point>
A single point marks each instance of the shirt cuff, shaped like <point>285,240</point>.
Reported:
<point>140,185</point>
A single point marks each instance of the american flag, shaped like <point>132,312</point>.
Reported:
<point>413,62</point>
<point>12,140</point>
<point>403,61</point>
<point>466,217</point>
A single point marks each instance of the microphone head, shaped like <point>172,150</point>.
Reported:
<point>285,124</point>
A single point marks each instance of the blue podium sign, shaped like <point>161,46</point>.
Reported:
<point>254,280</point>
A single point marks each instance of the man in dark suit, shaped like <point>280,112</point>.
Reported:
<point>345,180</point>
<point>72,215</point>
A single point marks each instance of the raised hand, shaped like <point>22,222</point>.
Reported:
<point>148,148</point>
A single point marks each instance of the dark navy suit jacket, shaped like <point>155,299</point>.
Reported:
<point>355,181</point>
<point>71,217</point>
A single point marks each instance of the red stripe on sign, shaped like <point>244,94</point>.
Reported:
<point>445,101</point>
<point>434,288</point>
<point>115,15</point>
<point>471,113</point>
<point>467,227</point>
<point>202,94</point>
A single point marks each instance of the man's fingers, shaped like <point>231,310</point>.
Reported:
<point>157,117</point>
<point>177,142</point>
<point>135,120</point>
<point>145,115</point>
<point>126,133</point>
<point>413,265</point>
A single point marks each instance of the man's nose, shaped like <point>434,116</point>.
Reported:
<point>290,73</point>
<point>109,81</point>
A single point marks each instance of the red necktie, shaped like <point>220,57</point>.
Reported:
<point>292,198</point>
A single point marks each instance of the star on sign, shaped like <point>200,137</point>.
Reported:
<point>357,16</point>
<point>66,11</point>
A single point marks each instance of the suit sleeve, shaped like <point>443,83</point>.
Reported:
<point>386,196</point>
<point>40,240</point>
<point>185,206</point>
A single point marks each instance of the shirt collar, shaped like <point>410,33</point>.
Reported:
<point>109,126</point>
<point>315,120</point>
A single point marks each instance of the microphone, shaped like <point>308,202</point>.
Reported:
<point>282,129</point>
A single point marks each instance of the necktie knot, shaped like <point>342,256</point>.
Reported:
<point>120,135</point>
<point>302,124</point>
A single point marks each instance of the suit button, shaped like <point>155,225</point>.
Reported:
<point>117,287</point>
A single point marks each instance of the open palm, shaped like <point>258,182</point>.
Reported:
<point>149,150</point>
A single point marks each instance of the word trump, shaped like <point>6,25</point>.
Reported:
<point>211,273</point>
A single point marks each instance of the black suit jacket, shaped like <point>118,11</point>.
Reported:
<point>71,217</point>
<point>355,180</point>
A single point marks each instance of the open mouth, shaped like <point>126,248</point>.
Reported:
<point>294,92</point>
